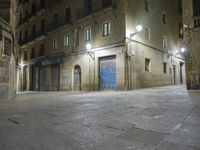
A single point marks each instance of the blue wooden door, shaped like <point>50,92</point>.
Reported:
<point>107,73</point>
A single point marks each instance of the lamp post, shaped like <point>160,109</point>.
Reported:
<point>128,84</point>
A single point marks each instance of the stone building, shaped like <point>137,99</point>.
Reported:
<point>7,61</point>
<point>191,18</point>
<point>117,57</point>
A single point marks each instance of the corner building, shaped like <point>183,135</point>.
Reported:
<point>117,57</point>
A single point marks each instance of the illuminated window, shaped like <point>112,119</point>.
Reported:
<point>164,42</point>
<point>147,34</point>
<point>87,34</point>
<point>106,29</point>
<point>66,40</point>
<point>147,64</point>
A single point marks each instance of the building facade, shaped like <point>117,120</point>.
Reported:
<point>94,45</point>
<point>191,18</point>
<point>7,61</point>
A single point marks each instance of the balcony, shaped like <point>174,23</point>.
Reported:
<point>32,39</point>
<point>197,22</point>
<point>52,26</point>
<point>31,15</point>
<point>96,7</point>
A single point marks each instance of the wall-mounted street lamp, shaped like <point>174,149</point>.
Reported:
<point>89,52</point>
<point>182,51</point>
<point>139,28</point>
<point>128,80</point>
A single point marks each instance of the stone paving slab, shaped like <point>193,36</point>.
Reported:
<point>166,118</point>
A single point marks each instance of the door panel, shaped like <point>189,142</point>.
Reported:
<point>55,72</point>
<point>77,78</point>
<point>42,79</point>
<point>107,73</point>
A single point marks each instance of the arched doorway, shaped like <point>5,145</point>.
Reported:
<point>77,78</point>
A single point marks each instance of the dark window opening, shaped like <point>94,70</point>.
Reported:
<point>33,9</point>
<point>41,50</point>
<point>196,8</point>
<point>68,14</point>
<point>107,3</point>
<point>55,20</point>
<point>88,7</point>
<point>146,5</point>
<point>42,27</point>
<point>164,68</point>
<point>32,53</point>
<point>33,30</point>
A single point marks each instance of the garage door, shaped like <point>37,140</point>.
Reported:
<point>42,79</point>
<point>107,73</point>
<point>55,72</point>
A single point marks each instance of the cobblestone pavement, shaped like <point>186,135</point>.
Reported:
<point>166,118</point>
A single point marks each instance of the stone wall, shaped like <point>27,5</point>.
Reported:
<point>192,41</point>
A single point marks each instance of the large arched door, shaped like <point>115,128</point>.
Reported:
<point>77,78</point>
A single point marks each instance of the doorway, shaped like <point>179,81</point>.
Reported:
<point>77,78</point>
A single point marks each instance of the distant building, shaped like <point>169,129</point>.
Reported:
<point>7,61</point>
<point>53,35</point>
<point>191,18</point>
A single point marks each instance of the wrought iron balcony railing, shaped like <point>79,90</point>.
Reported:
<point>52,25</point>
<point>32,38</point>
<point>32,14</point>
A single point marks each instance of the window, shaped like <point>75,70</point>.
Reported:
<point>147,64</point>
<point>146,5</point>
<point>147,34</point>
<point>41,50</point>
<point>42,3</point>
<point>87,34</point>
<point>42,25</point>
<point>7,46</point>
<point>25,55</point>
<point>26,34</point>
<point>106,29</point>
<point>55,20</point>
<point>164,42</point>
<point>164,17</point>
<point>106,3</point>
<point>33,9</point>
<point>66,40</point>
<point>55,44</point>
<point>196,8</point>
<point>68,14</point>
<point>88,7</point>
<point>32,53</point>
<point>76,37</point>
<point>33,30</point>
<point>164,68</point>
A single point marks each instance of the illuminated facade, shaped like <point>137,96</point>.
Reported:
<point>117,57</point>
<point>191,17</point>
